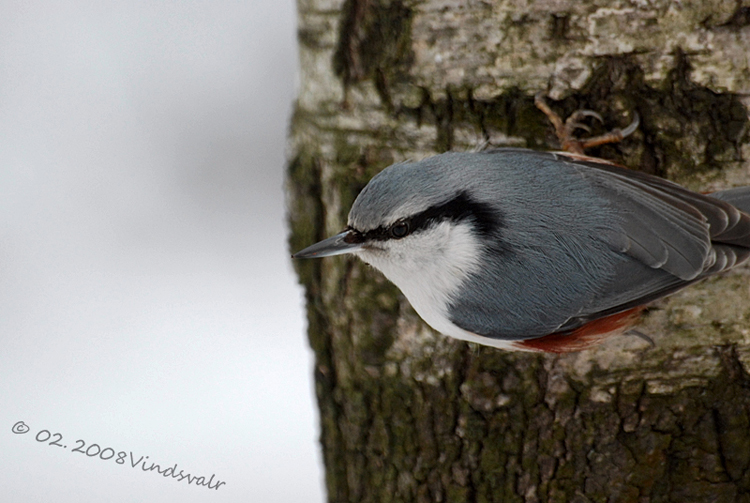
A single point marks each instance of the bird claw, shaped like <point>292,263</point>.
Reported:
<point>642,336</point>
<point>564,131</point>
<point>582,114</point>
<point>633,125</point>
<point>572,126</point>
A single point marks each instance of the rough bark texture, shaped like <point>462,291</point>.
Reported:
<point>409,415</point>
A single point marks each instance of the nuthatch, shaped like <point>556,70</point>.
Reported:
<point>526,250</point>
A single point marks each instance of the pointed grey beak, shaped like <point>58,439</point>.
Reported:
<point>344,242</point>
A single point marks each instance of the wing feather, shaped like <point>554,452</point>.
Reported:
<point>687,224</point>
<point>682,236</point>
<point>668,234</point>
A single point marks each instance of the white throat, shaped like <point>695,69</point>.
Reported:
<point>429,267</point>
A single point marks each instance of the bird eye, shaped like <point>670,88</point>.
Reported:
<point>399,230</point>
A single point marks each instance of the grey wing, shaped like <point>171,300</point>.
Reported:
<point>673,236</point>
<point>738,197</point>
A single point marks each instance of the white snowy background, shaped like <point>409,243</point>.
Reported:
<point>147,302</point>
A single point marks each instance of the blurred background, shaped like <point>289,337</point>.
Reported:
<point>147,302</point>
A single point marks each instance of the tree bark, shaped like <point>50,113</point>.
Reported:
<point>410,415</point>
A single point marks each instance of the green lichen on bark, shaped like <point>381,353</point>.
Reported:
<point>373,43</point>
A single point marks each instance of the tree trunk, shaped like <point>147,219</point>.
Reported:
<point>410,415</point>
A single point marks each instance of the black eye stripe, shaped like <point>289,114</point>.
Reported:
<point>354,236</point>
<point>460,208</point>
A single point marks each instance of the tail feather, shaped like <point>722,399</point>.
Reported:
<point>738,197</point>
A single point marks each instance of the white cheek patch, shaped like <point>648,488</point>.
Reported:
<point>429,267</point>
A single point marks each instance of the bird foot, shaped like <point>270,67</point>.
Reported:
<point>565,130</point>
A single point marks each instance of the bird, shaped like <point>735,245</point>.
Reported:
<point>528,250</point>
